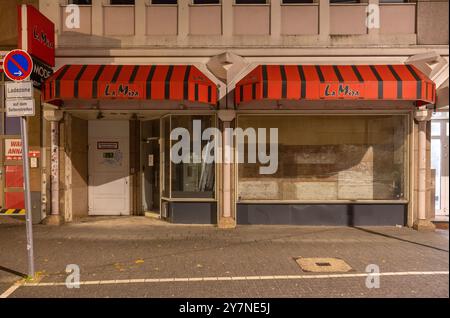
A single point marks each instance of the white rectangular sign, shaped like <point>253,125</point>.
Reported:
<point>19,107</point>
<point>19,89</point>
<point>13,149</point>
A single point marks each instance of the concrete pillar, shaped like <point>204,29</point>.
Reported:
<point>226,219</point>
<point>97,17</point>
<point>375,14</point>
<point>139,17</point>
<point>227,18</point>
<point>183,18</point>
<point>275,18</point>
<point>54,116</point>
<point>422,116</point>
<point>324,20</point>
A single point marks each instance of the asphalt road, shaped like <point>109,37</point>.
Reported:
<point>203,261</point>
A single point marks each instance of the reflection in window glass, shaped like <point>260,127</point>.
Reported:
<point>436,165</point>
<point>164,1</point>
<point>297,1</point>
<point>122,2</point>
<point>206,1</point>
<point>251,1</point>
<point>329,158</point>
<point>86,2</point>
<point>166,155</point>
<point>12,125</point>
<point>193,180</point>
<point>435,128</point>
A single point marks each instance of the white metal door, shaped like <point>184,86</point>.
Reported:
<point>109,189</point>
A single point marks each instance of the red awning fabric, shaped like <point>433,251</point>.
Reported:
<point>132,82</point>
<point>335,82</point>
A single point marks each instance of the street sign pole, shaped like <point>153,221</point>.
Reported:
<point>26,170</point>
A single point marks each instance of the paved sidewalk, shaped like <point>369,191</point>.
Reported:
<point>116,255</point>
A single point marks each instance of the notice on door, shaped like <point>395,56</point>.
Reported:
<point>13,149</point>
<point>107,145</point>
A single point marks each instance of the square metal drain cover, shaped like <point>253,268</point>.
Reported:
<point>323,265</point>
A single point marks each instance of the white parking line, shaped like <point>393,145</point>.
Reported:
<point>226,278</point>
<point>10,290</point>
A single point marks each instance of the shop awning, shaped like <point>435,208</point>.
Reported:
<point>133,82</point>
<point>335,82</point>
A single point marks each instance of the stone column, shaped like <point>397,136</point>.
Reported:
<point>139,17</point>
<point>183,18</point>
<point>373,18</point>
<point>324,20</point>
<point>275,18</point>
<point>227,18</point>
<point>54,116</point>
<point>97,17</point>
<point>422,116</point>
<point>226,218</point>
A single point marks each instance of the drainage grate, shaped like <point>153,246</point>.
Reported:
<point>322,265</point>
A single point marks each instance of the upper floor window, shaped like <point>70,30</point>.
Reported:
<point>345,1</point>
<point>297,1</point>
<point>206,1</point>
<point>164,1</point>
<point>130,2</point>
<point>86,2</point>
<point>393,1</point>
<point>251,1</point>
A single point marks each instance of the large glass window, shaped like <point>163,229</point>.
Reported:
<point>193,177</point>
<point>329,158</point>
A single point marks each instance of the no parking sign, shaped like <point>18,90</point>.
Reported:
<point>17,65</point>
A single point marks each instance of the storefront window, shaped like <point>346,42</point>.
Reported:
<point>12,125</point>
<point>190,178</point>
<point>324,158</point>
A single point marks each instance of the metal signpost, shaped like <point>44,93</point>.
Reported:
<point>17,66</point>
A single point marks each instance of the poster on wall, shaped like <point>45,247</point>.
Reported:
<point>13,149</point>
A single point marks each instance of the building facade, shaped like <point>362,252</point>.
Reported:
<point>350,87</point>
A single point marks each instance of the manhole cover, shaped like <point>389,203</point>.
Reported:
<point>322,265</point>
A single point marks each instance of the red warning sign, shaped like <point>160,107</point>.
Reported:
<point>13,149</point>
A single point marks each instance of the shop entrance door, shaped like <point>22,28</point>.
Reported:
<point>150,164</point>
<point>109,184</point>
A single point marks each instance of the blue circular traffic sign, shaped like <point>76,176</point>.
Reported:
<point>17,65</point>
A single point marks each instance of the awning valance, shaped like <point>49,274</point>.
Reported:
<point>335,82</point>
<point>133,82</point>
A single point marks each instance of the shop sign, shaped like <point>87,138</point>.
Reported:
<point>13,149</point>
<point>40,73</point>
<point>340,90</point>
<point>121,90</point>
<point>41,35</point>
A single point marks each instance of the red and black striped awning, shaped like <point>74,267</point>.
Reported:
<point>335,82</point>
<point>134,82</point>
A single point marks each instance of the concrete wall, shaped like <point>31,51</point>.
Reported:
<point>74,170</point>
<point>348,19</point>
<point>162,20</point>
<point>8,21</point>
<point>300,20</point>
<point>432,22</point>
<point>275,24</point>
